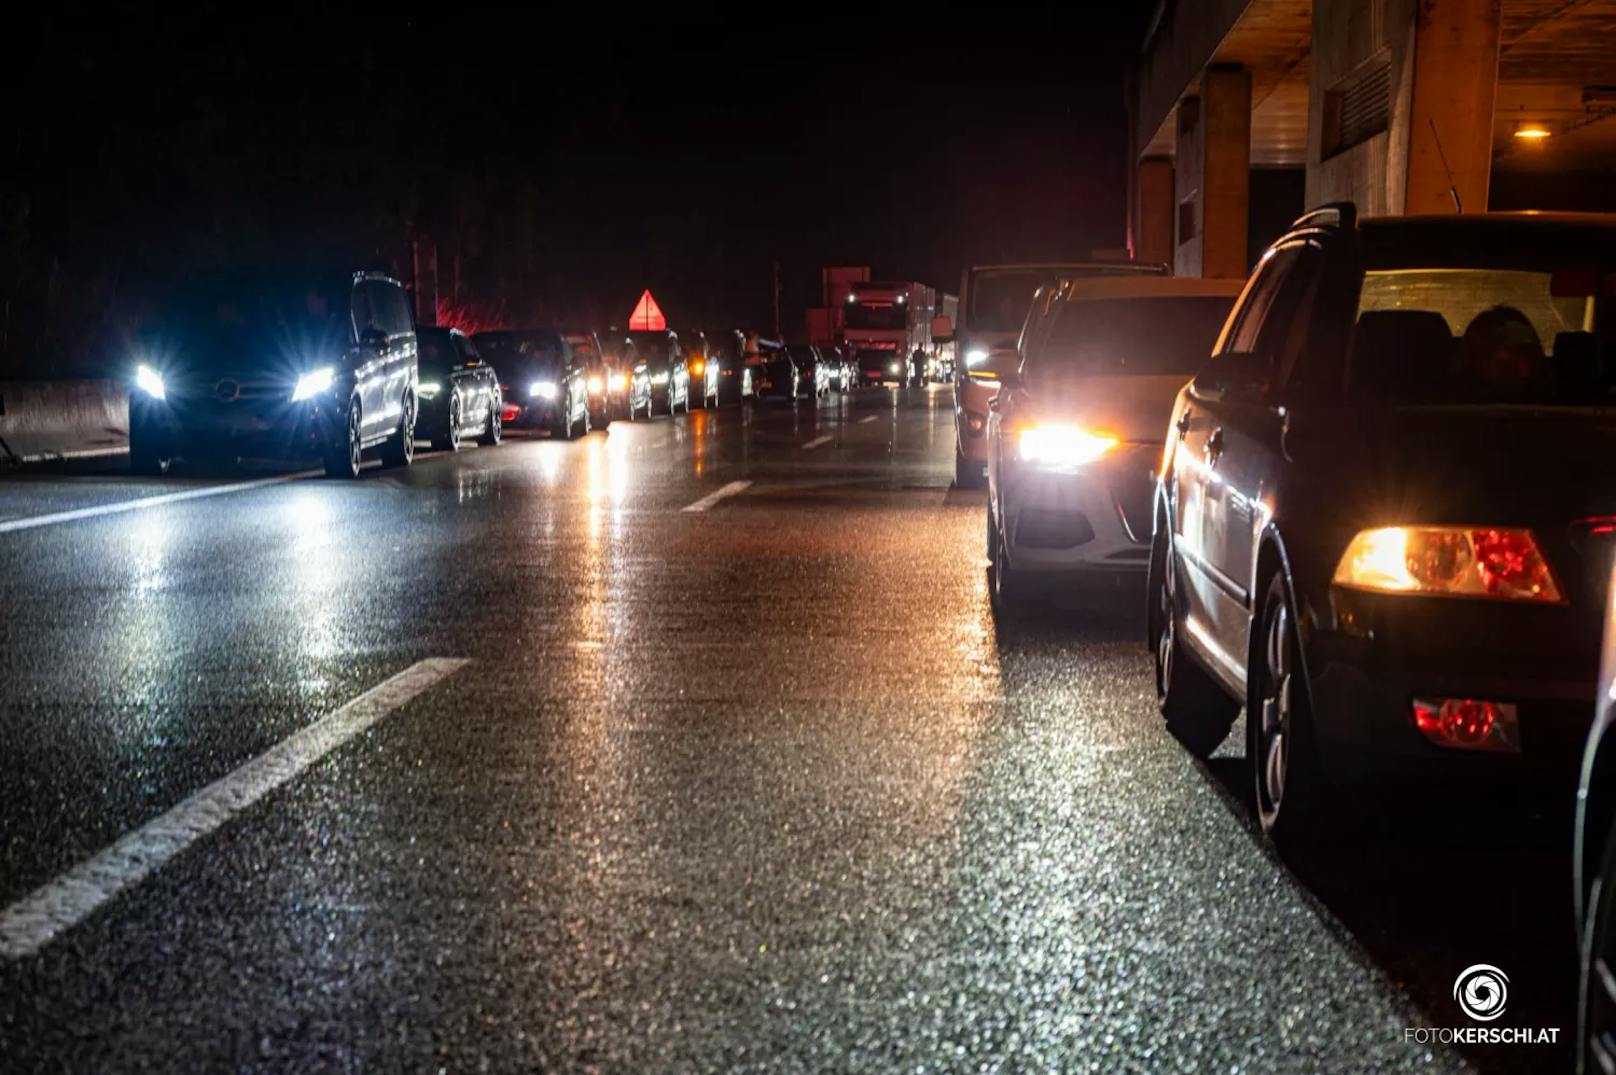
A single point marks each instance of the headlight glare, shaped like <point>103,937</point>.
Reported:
<point>313,383</point>
<point>1062,446</point>
<point>542,389</point>
<point>150,382</point>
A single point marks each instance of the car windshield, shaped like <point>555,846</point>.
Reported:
<point>999,298</point>
<point>437,350</point>
<point>531,351</point>
<point>1488,335</point>
<point>226,320</point>
<point>1131,337</point>
<point>652,347</point>
<point>877,314</point>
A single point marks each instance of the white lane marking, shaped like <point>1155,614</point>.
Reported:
<point>35,920</point>
<point>712,498</point>
<point>816,442</point>
<point>145,502</point>
<point>868,419</point>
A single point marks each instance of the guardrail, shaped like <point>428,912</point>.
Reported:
<point>46,420</point>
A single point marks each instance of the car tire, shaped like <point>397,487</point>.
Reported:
<point>561,425</point>
<point>1006,592</point>
<point>968,474</point>
<point>399,449</point>
<point>1198,712</point>
<point>344,454</point>
<point>146,458</point>
<point>1292,794</point>
<point>493,431</point>
<point>449,439</point>
<point>1596,1004</point>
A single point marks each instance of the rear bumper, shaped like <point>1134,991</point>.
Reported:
<point>1374,654</point>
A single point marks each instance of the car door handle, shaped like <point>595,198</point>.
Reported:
<point>1183,424</point>
<point>1214,445</point>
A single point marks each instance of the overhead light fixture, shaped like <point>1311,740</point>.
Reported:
<point>1532,132</point>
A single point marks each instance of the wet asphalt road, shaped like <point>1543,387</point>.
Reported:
<point>757,787</point>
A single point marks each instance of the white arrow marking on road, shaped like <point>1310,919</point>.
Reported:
<point>869,418</point>
<point>816,442</point>
<point>712,498</point>
<point>145,502</point>
<point>35,920</point>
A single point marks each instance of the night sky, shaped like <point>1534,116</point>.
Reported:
<point>560,169</point>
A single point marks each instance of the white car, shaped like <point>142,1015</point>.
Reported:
<point>1075,432</point>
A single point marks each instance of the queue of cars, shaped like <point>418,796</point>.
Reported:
<point>289,366</point>
<point>1380,519</point>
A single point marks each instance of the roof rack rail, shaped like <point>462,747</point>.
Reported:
<point>1331,214</point>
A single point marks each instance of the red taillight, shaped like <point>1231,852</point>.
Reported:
<point>509,413</point>
<point>1468,723</point>
<point>1508,559</point>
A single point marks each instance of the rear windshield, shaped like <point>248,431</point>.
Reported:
<point>525,350</point>
<point>1137,337</point>
<point>999,300</point>
<point>1441,335</point>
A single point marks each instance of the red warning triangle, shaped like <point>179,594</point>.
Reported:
<point>647,315</point>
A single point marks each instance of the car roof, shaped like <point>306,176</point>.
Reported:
<point>1144,287</point>
<point>1057,267</point>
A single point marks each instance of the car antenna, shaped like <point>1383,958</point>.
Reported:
<point>1452,187</point>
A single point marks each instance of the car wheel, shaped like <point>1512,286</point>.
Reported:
<point>145,457</point>
<point>1290,786</point>
<point>1005,590</point>
<point>588,426</point>
<point>494,430</point>
<point>449,439</point>
<point>1198,712</point>
<point>400,447</point>
<point>1596,994</point>
<point>344,454</point>
<point>968,474</point>
<point>561,425</point>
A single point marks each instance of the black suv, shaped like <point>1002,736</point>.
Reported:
<point>459,392</point>
<point>1384,519</point>
<point>255,364</point>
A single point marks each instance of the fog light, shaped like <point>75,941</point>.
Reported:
<point>974,424</point>
<point>1468,724</point>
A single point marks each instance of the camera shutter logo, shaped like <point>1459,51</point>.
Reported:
<point>1482,991</point>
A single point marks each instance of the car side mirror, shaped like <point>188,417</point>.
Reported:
<point>1235,374</point>
<point>371,336</point>
<point>942,329</point>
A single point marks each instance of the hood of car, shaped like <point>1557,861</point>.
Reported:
<point>1128,408</point>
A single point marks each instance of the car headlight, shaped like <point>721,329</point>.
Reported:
<point>428,389</point>
<point>659,378</point>
<point>594,385</point>
<point>1062,446</point>
<point>975,357</point>
<point>150,382</point>
<point>892,368</point>
<point>313,383</point>
<point>617,382</point>
<point>542,389</point>
<point>1454,561</point>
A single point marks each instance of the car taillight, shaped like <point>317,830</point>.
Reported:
<point>1468,724</point>
<point>1456,561</point>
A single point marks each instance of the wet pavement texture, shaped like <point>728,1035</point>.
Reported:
<point>763,786</point>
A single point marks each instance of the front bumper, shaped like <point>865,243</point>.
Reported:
<point>264,429</point>
<point>1373,654</point>
<point>1078,522</point>
<point>971,399</point>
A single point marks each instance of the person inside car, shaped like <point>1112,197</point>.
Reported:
<point>1503,356</point>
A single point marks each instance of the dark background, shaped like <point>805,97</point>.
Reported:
<point>559,168</point>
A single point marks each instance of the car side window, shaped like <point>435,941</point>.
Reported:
<point>359,306</point>
<point>392,308</point>
<point>1248,353</point>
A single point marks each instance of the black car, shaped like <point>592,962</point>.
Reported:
<point>543,382</point>
<point>702,366</point>
<point>599,377</point>
<point>734,373</point>
<point>265,365</point>
<point>459,391</point>
<point>1384,522</point>
<point>813,375</point>
<point>780,374</point>
<point>664,360</point>
<point>877,366</point>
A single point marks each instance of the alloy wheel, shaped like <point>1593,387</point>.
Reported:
<point>1276,714</point>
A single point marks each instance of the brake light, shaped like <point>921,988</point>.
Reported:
<point>1468,724</point>
<point>1454,561</point>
